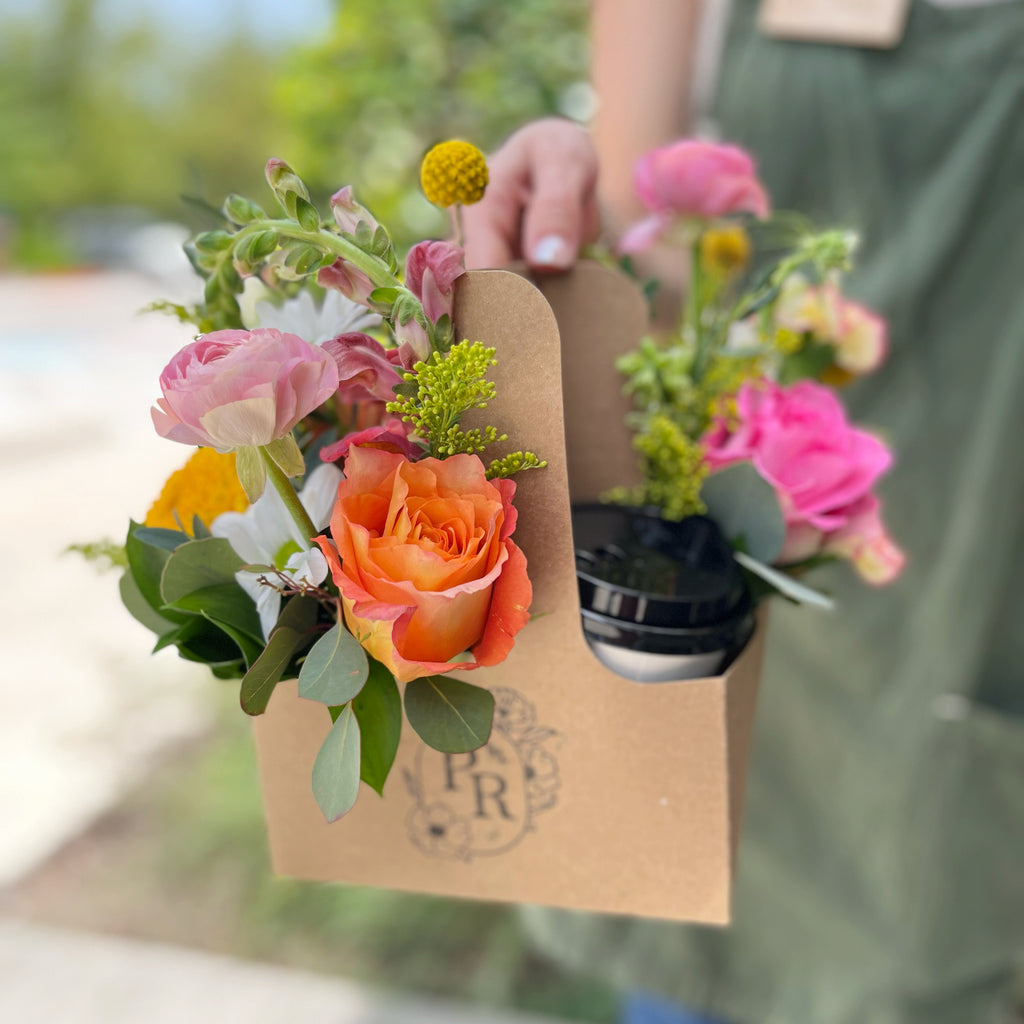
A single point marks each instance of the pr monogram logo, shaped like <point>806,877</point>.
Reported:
<point>483,803</point>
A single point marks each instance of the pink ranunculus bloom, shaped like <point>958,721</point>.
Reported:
<point>864,541</point>
<point>431,270</point>
<point>348,213</point>
<point>693,179</point>
<point>799,440</point>
<point>232,389</point>
<point>862,341</point>
<point>391,436</point>
<point>348,279</point>
<point>367,372</point>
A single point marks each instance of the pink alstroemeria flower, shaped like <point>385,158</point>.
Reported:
<point>391,436</point>
<point>691,179</point>
<point>233,389</point>
<point>367,372</point>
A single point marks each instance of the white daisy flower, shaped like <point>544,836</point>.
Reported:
<point>265,534</point>
<point>312,321</point>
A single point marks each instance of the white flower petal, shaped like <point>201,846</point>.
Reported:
<point>267,598</point>
<point>308,566</point>
<point>320,493</point>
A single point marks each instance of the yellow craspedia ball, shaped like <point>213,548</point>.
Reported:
<point>454,172</point>
<point>725,250</point>
<point>205,486</point>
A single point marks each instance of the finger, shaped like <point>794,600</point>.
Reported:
<point>562,212</point>
<point>492,226</point>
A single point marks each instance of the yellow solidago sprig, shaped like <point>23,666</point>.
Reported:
<point>674,470</point>
<point>725,250</point>
<point>454,173</point>
<point>439,391</point>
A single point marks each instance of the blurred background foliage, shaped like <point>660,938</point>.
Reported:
<point>99,113</point>
<point>110,113</point>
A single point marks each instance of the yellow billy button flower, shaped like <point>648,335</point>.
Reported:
<point>454,172</point>
<point>725,250</point>
<point>205,486</point>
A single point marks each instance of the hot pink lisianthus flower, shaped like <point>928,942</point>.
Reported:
<point>234,389</point>
<point>821,467</point>
<point>691,179</point>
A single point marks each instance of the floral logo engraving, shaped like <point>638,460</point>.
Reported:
<point>483,803</point>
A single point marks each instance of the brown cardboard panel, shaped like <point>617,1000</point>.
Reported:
<point>594,792</point>
<point>879,24</point>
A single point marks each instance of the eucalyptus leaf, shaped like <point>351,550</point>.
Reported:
<point>199,529</point>
<point>249,646</point>
<point>335,669</point>
<point>268,670</point>
<point>785,585</point>
<point>336,769</point>
<point>746,509</point>
<point>379,710</point>
<point>448,714</point>
<point>198,564</point>
<point>288,638</point>
<point>140,609</point>
<point>147,560</point>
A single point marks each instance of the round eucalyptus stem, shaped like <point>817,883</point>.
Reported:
<point>283,486</point>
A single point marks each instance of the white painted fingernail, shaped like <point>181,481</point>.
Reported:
<point>551,251</point>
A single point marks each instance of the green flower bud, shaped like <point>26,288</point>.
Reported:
<point>240,210</point>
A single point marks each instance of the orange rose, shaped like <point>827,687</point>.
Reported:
<point>423,558</point>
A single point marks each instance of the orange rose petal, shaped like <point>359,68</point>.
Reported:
<point>510,609</point>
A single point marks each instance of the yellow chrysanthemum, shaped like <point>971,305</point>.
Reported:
<point>454,172</point>
<point>205,486</point>
<point>725,250</point>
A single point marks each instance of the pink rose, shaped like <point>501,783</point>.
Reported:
<point>232,389</point>
<point>431,269</point>
<point>693,179</point>
<point>366,370</point>
<point>799,440</point>
<point>390,436</point>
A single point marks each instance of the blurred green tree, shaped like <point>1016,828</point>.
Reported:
<point>392,77</point>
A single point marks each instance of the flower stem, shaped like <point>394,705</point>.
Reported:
<point>290,498</point>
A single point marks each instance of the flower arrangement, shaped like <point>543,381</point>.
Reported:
<point>736,412</point>
<point>337,523</point>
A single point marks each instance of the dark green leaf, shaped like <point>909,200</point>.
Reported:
<point>306,215</point>
<point>745,507</point>
<point>199,530</point>
<point>268,669</point>
<point>335,669</point>
<point>158,537</point>
<point>448,714</point>
<point>198,564</point>
<point>336,770</point>
<point>250,647</point>
<point>223,603</point>
<point>794,590</point>
<point>379,710</point>
<point>810,361</point>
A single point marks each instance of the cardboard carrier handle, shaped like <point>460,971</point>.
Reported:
<point>559,395</point>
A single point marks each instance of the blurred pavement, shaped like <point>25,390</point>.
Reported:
<point>75,978</point>
<point>83,705</point>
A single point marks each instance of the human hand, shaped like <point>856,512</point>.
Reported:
<point>541,203</point>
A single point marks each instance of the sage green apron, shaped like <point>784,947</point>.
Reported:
<point>881,870</point>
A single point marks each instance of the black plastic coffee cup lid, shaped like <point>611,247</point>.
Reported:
<point>728,636</point>
<point>634,566</point>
